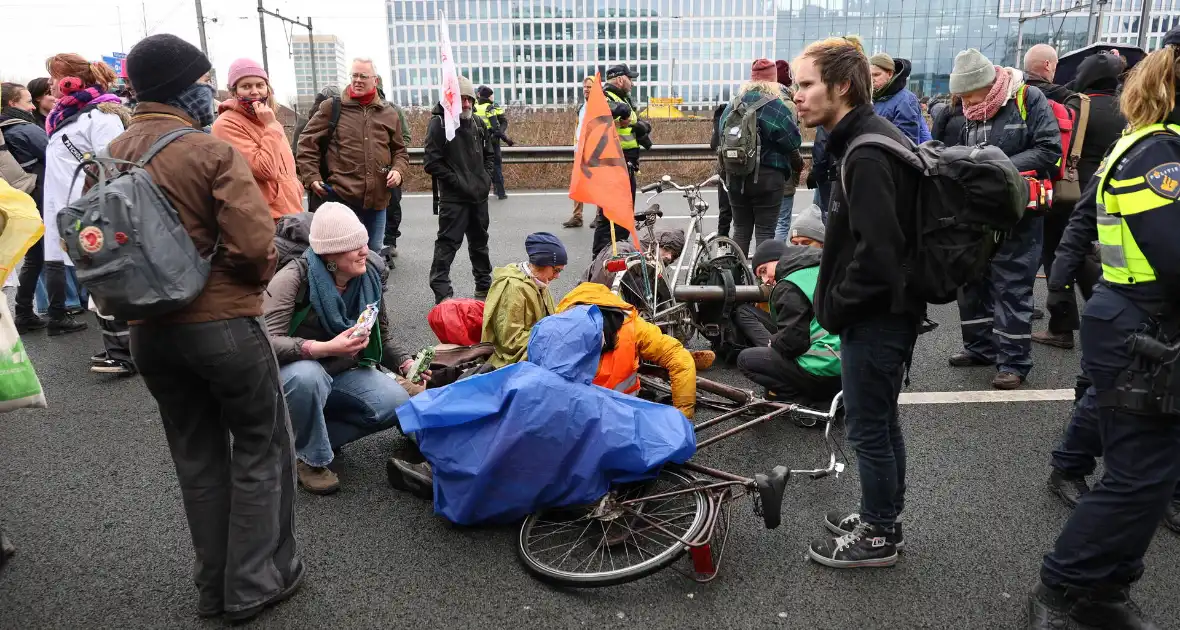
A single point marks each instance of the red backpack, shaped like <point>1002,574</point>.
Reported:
<point>1068,188</point>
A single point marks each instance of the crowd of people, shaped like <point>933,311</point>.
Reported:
<point>273,345</point>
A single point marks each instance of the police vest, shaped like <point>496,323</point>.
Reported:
<point>485,111</point>
<point>626,134</point>
<point>1122,260</point>
<point>823,357</point>
<point>619,368</point>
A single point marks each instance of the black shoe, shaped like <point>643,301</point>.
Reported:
<point>417,479</point>
<point>1048,608</point>
<point>7,550</point>
<point>481,294</point>
<point>101,357</point>
<point>501,197</point>
<point>966,359</point>
<point>1070,488</point>
<point>246,614</point>
<point>841,523</point>
<point>1110,608</point>
<point>65,325</point>
<point>28,322</point>
<point>76,310</point>
<point>1172,516</point>
<point>1038,313</point>
<point>112,366</point>
<point>866,546</point>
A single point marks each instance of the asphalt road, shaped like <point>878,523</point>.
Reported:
<point>89,495</point>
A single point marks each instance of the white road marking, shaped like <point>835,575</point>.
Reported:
<point>985,396</point>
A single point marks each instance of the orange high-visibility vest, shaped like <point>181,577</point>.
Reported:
<point>619,368</point>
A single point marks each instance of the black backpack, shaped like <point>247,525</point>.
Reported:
<point>716,318</point>
<point>968,198</point>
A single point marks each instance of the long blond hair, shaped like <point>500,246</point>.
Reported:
<point>1149,94</point>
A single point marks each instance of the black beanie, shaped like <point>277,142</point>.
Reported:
<point>162,66</point>
<point>767,251</point>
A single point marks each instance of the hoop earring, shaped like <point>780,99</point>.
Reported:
<point>331,267</point>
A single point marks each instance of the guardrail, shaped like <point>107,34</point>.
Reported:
<point>658,153</point>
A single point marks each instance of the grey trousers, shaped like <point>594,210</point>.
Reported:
<point>216,381</point>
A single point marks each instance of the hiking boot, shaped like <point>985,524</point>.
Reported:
<point>1109,608</point>
<point>317,479</point>
<point>481,294</point>
<point>28,321</point>
<point>1007,380</point>
<point>1172,516</point>
<point>1048,608</point>
<point>866,546</point>
<point>1069,487</point>
<point>967,359</point>
<point>65,325</point>
<point>594,223</point>
<point>572,223</point>
<point>1038,313</point>
<point>1057,340</point>
<point>841,523</point>
<point>417,479</point>
<point>113,366</point>
<point>246,614</point>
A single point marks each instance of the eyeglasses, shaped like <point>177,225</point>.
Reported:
<point>363,77</point>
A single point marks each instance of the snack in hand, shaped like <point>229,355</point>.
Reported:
<point>366,321</point>
<point>421,364</point>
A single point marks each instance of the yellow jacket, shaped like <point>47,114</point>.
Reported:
<point>653,345</point>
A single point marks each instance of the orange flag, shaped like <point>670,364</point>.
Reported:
<point>600,171</point>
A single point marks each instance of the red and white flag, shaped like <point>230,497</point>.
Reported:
<point>450,100</point>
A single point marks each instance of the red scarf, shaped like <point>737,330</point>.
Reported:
<point>363,99</point>
<point>996,97</point>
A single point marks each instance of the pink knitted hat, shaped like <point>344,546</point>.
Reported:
<point>245,68</point>
<point>764,70</point>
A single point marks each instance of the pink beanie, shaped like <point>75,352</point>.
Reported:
<point>245,68</point>
<point>764,70</point>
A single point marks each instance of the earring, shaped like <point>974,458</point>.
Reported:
<point>331,266</point>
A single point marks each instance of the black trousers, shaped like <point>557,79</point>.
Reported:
<point>393,218</point>
<point>725,213</point>
<point>1088,274</point>
<point>220,397</point>
<point>498,171</point>
<point>766,367</point>
<point>755,207</point>
<point>456,220</point>
<point>30,271</point>
<point>116,338</point>
<point>602,228</point>
<point>55,288</point>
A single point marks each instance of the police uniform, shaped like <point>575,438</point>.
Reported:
<point>630,145</point>
<point>496,123</point>
<point>1099,553</point>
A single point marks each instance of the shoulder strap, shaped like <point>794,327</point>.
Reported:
<point>336,104</point>
<point>1079,132</point>
<point>78,155</point>
<point>12,122</point>
<point>1020,101</point>
<point>760,103</point>
<point>905,153</point>
<point>162,142</point>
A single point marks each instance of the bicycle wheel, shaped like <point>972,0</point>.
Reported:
<point>584,547</point>
<point>720,247</point>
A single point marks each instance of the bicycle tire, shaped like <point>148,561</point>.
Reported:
<point>673,552</point>
<point>708,252</point>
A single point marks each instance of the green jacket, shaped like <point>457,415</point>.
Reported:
<point>515,303</point>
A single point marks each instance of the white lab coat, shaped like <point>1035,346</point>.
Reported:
<point>90,133</point>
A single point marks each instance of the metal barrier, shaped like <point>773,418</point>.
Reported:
<point>658,153</point>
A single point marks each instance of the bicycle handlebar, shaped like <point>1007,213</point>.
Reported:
<point>666,182</point>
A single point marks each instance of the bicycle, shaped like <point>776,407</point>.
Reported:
<point>638,529</point>
<point>639,277</point>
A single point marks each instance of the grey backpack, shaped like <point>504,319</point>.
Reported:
<point>129,248</point>
<point>740,148</point>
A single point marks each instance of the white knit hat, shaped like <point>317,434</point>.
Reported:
<point>335,230</point>
<point>972,71</point>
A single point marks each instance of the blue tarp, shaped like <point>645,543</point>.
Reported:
<point>538,434</point>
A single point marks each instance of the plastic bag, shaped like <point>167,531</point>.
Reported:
<point>457,321</point>
<point>20,227</point>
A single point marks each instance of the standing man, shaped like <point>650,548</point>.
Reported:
<point>862,296</point>
<point>461,169</point>
<point>996,311</point>
<point>496,123</point>
<point>893,100</point>
<point>618,89</point>
<point>209,365</point>
<point>366,154</point>
<point>393,214</point>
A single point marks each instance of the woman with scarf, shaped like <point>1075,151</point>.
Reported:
<point>86,117</point>
<point>334,391</point>
<point>248,123</point>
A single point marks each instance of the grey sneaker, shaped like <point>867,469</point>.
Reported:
<point>841,523</point>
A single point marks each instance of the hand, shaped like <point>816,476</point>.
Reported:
<point>344,345</point>
<point>265,114</point>
<point>318,189</point>
<point>405,367</point>
<point>393,179</point>
<point>510,143</point>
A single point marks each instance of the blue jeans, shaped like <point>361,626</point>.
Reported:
<point>328,412</point>
<point>874,355</point>
<point>782,229</point>
<point>374,222</point>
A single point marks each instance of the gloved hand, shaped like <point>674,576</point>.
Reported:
<point>1063,308</point>
<point>509,142</point>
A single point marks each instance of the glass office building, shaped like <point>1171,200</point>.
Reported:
<point>931,32</point>
<point>536,52</point>
<point>331,67</point>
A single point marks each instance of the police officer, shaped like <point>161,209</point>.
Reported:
<point>632,134</point>
<point>496,122</point>
<point>1087,576</point>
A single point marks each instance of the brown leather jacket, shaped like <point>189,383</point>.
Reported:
<point>213,190</point>
<point>367,144</point>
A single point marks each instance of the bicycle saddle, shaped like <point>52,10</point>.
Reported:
<point>770,490</point>
<point>653,209</point>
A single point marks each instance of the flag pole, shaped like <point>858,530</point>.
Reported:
<point>614,243</point>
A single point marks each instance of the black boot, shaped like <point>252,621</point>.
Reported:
<point>1172,516</point>
<point>1070,488</point>
<point>6,549</point>
<point>27,321</point>
<point>1048,608</point>
<point>1110,608</point>
<point>64,325</point>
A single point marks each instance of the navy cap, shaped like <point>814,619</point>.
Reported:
<point>545,250</point>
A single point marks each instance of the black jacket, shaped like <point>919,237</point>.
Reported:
<point>869,229</point>
<point>26,141</point>
<point>1033,144</point>
<point>461,168</point>
<point>1098,77</point>
<point>1055,92</point>
<point>949,124</point>
<point>791,307</point>
<point>817,178</point>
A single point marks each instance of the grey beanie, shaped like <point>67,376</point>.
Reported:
<point>883,61</point>
<point>808,224</point>
<point>972,71</point>
<point>466,88</point>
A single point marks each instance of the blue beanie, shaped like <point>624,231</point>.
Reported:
<point>545,250</point>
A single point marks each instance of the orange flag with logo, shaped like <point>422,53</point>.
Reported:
<point>600,171</point>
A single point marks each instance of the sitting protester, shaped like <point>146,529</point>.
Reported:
<point>630,339</point>
<point>808,229</point>
<point>791,355</point>
<point>333,388</point>
<point>519,297</point>
<point>671,243</point>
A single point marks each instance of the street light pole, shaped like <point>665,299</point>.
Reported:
<point>262,31</point>
<point>315,86</point>
<point>204,45</point>
<point>1144,16</point>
